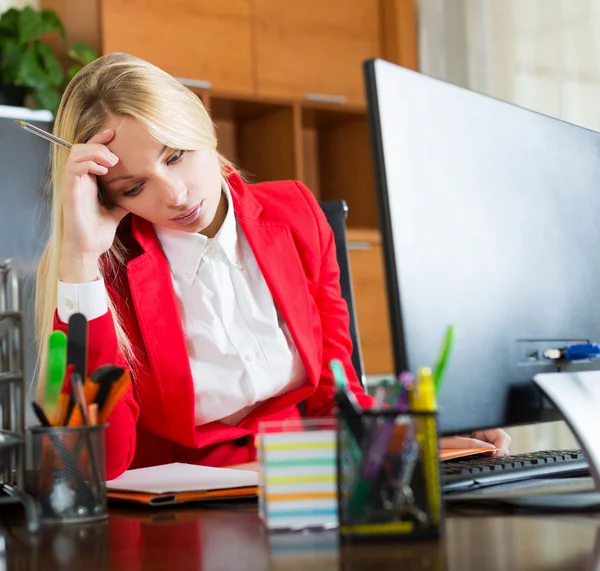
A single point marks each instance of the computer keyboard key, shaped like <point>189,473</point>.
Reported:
<point>473,473</point>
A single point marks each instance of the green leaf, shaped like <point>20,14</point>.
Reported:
<point>51,22</point>
<point>31,25</point>
<point>50,64</point>
<point>72,72</point>
<point>47,98</point>
<point>31,73</point>
<point>9,24</point>
<point>12,54</point>
<point>82,53</point>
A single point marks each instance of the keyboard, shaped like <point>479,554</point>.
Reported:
<point>473,473</point>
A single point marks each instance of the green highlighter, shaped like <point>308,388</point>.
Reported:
<point>55,371</point>
<point>440,366</point>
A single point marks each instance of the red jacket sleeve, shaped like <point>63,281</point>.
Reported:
<point>120,432</point>
<point>335,322</point>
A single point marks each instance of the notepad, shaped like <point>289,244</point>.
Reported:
<point>178,483</point>
<point>455,453</point>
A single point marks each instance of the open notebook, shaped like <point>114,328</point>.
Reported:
<point>179,483</point>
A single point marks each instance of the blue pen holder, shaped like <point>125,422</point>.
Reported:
<point>388,475</point>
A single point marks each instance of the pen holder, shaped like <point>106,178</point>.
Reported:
<point>389,478</point>
<point>69,473</point>
<point>297,474</point>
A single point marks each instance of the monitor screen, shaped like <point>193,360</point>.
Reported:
<point>490,218</point>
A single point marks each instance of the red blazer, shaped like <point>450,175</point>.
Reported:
<point>154,423</point>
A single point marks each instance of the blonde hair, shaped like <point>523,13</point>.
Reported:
<point>124,86</point>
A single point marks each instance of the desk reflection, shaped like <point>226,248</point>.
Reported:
<point>219,538</point>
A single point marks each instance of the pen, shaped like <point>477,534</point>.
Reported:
<point>376,452</point>
<point>79,398</point>
<point>423,400</point>
<point>440,366</point>
<point>60,414</point>
<point>77,332</point>
<point>119,388</point>
<point>97,388</point>
<point>39,412</point>
<point>346,401</point>
<point>404,500</point>
<point>56,368</point>
<point>43,134</point>
<point>93,414</point>
<point>381,392</point>
<point>383,435</point>
<point>104,379</point>
<point>406,383</point>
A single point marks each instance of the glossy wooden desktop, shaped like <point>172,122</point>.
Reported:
<point>220,539</point>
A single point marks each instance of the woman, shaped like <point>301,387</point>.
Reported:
<point>222,298</point>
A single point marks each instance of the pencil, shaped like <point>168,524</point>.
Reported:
<point>43,134</point>
<point>93,413</point>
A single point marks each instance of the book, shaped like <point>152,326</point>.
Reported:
<point>178,483</point>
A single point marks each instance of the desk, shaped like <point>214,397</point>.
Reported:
<point>218,539</point>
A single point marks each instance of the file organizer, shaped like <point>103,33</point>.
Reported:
<point>297,478</point>
<point>394,493</point>
<point>12,395</point>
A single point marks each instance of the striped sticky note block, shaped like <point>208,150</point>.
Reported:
<point>298,479</point>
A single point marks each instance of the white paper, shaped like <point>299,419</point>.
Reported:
<point>178,477</point>
<point>577,396</point>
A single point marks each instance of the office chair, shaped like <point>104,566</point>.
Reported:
<point>335,212</point>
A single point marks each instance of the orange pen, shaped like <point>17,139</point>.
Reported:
<point>96,388</point>
<point>64,398</point>
<point>118,389</point>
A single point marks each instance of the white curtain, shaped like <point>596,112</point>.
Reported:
<point>540,54</point>
<point>6,4</point>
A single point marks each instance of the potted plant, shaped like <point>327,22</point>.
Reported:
<point>28,66</point>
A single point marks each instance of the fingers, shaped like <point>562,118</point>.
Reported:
<point>498,437</point>
<point>104,137</point>
<point>93,152</point>
<point>88,167</point>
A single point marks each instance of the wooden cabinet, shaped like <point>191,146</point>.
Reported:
<point>299,50</point>
<point>257,137</point>
<point>370,301</point>
<point>337,161</point>
<point>198,40</point>
<point>315,48</point>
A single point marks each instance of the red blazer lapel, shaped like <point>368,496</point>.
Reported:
<point>172,411</point>
<point>155,306</point>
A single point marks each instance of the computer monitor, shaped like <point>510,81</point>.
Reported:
<point>490,216</point>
